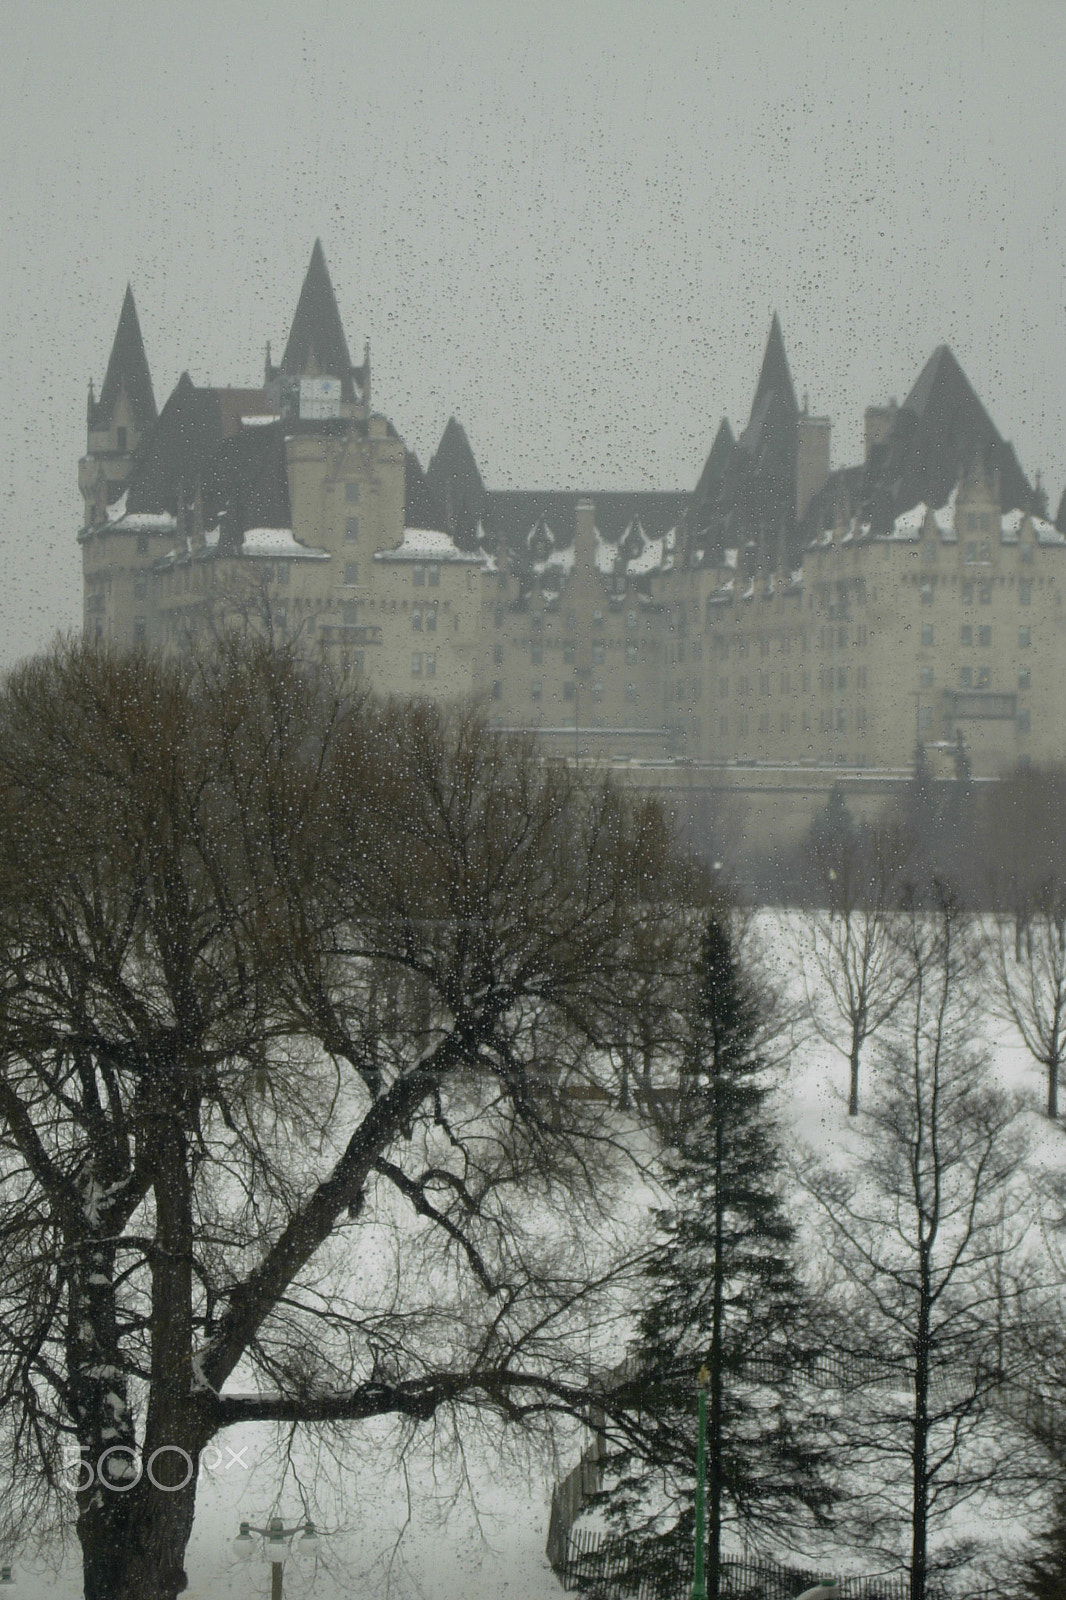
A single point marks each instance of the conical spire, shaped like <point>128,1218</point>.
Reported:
<point>774,377</point>
<point>127,371</point>
<point>316,345</point>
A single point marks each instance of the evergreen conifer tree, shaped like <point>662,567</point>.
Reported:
<point>722,1292</point>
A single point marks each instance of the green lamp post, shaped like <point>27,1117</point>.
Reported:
<point>699,1578</point>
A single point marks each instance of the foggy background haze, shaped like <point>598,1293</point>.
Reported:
<point>567,225</point>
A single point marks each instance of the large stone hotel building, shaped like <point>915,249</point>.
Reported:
<point>776,628</point>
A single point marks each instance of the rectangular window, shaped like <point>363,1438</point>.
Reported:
<point>497,689</point>
<point>536,689</point>
<point>431,618</point>
<point>431,664</point>
<point>350,613</point>
<point>1025,678</point>
<point>984,637</point>
<point>929,550</point>
<point>966,634</point>
<point>971,552</point>
<point>1025,638</point>
<point>142,544</point>
<point>1027,555</point>
<point>597,691</point>
<point>140,630</point>
<point>982,677</point>
<point>497,655</point>
<point>966,678</point>
<point>631,691</point>
<point>351,572</point>
<point>927,634</point>
<point>925,718</point>
<point>283,571</point>
<point>599,653</point>
<point>416,621</point>
<point>434,575</point>
<point>927,677</point>
<point>140,589</point>
<point>351,529</point>
<point>927,593</point>
<point>967,594</point>
<point>351,493</point>
<point>842,677</point>
<point>536,653</point>
<point>1023,722</point>
<point>568,689</point>
<point>631,654</point>
<point>416,664</point>
<point>1025,594</point>
<point>497,617</point>
<point>122,440</point>
<point>631,619</point>
<point>569,652</point>
<point>984,595</point>
<point>764,722</point>
<point>418,576</point>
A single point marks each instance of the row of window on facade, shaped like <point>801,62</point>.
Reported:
<point>983,591</point>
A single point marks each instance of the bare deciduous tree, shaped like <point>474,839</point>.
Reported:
<point>279,965</point>
<point>915,1229</point>
<point>1027,956</point>
<point>851,945</point>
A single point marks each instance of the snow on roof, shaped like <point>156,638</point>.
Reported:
<point>278,542</point>
<point>909,524</point>
<point>749,592</point>
<point>730,558</point>
<point>606,554</point>
<point>649,560</point>
<point>118,508</point>
<point>945,516</point>
<point>561,559</point>
<point>426,544</point>
<point>211,537</point>
<point>259,422</point>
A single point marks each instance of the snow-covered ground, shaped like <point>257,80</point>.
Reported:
<point>436,1521</point>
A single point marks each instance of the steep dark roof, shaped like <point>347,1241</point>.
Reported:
<point>751,495</point>
<point>774,376</point>
<point>246,483</point>
<point>715,465</point>
<point>941,432</point>
<point>127,369</point>
<point>198,442</point>
<point>316,345</point>
<point>456,486</point>
<point>514,513</point>
<point>420,508</point>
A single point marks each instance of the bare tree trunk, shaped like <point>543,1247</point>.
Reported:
<point>1053,1086</point>
<point>853,1074</point>
<point>920,1442</point>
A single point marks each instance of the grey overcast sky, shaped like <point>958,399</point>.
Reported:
<point>569,224</point>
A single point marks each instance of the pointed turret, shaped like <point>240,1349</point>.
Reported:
<point>127,374</point>
<point>117,422</point>
<point>774,376</point>
<point>455,483</point>
<point>316,346</point>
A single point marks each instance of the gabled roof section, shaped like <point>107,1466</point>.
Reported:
<point>316,345</point>
<point>127,370</point>
<point>715,464</point>
<point>178,454</point>
<point>420,508</point>
<point>940,432</point>
<point>455,484</point>
<point>774,376</point>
